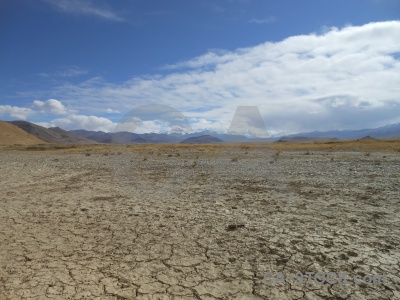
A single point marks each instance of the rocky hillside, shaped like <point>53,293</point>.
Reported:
<point>53,135</point>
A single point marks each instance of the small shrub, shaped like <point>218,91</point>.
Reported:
<point>276,155</point>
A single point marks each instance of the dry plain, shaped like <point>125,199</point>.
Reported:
<point>198,221</point>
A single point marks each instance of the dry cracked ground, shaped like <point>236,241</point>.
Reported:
<point>189,223</point>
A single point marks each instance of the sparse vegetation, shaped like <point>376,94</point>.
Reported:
<point>247,146</point>
<point>392,145</point>
<point>276,155</point>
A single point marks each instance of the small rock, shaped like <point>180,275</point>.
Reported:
<point>233,227</point>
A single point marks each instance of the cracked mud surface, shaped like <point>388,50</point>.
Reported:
<point>188,224</point>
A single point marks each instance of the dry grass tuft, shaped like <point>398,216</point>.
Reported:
<point>276,155</point>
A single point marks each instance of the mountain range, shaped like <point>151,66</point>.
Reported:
<point>385,132</point>
<point>22,132</point>
<point>54,135</point>
<point>157,138</point>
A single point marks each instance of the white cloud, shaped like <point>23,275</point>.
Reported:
<point>73,122</point>
<point>85,7</point>
<point>202,124</point>
<point>141,126</point>
<point>267,20</point>
<point>340,79</point>
<point>52,105</point>
<point>72,71</point>
<point>17,112</point>
<point>44,124</point>
<point>154,118</point>
<point>112,111</point>
<point>211,58</point>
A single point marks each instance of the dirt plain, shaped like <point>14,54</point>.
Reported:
<point>198,222</point>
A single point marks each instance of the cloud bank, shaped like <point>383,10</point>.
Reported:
<point>343,78</point>
<point>73,122</point>
<point>48,107</point>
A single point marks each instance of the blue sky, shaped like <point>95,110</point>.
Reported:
<point>307,65</point>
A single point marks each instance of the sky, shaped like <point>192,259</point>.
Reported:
<point>302,66</point>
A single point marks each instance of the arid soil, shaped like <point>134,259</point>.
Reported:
<point>197,223</point>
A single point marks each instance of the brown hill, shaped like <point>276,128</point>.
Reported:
<point>203,139</point>
<point>53,135</point>
<point>11,135</point>
<point>367,138</point>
